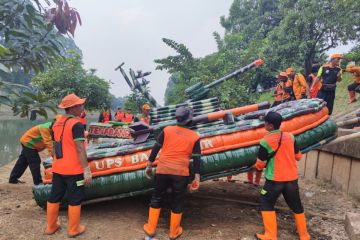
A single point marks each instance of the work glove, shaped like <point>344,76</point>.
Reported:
<point>195,184</point>
<point>87,176</point>
<point>148,171</point>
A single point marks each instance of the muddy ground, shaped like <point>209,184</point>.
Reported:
<point>220,210</point>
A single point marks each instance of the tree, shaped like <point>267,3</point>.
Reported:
<point>190,71</point>
<point>29,43</point>
<point>134,101</point>
<point>305,35</point>
<point>68,76</point>
<point>28,33</point>
<point>117,102</point>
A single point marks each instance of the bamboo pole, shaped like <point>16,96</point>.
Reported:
<point>283,209</point>
<point>344,138</point>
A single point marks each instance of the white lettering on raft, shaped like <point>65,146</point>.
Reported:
<point>206,143</point>
<point>108,163</point>
<point>139,158</point>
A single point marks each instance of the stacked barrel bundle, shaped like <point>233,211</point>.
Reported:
<point>228,147</point>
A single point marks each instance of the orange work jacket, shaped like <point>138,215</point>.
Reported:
<point>355,73</point>
<point>299,86</point>
<point>282,167</point>
<point>313,93</point>
<point>176,151</point>
<point>69,164</point>
<point>119,116</point>
<point>128,118</point>
<point>284,86</point>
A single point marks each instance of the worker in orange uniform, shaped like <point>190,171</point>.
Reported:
<point>178,145</point>
<point>105,116</point>
<point>278,153</point>
<point>129,117</point>
<point>82,119</point>
<point>287,87</point>
<point>70,167</point>
<point>300,86</point>
<point>355,86</point>
<point>278,93</point>
<point>145,116</point>
<point>33,141</point>
<point>329,75</point>
<point>119,115</point>
<point>311,79</point>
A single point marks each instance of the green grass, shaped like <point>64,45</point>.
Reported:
<point>341,100</point>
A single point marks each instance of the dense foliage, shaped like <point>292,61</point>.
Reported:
<point>283,33</point>
<point>68,76</point>
<point>31,40</point>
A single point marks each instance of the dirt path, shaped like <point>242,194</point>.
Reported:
<point>206,216</point>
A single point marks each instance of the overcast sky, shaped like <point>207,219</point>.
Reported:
<point>130,31</point>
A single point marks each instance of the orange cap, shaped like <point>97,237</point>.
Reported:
<point>146,107</point>
<point>283,74</point>
<point>71,100</point>
<point>335,55</point>
<point>289,70</point>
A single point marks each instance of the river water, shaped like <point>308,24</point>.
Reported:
<point>10,132</point>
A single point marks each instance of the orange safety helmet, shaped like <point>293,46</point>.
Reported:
<point>146,107</point>
<point>71,100</point>
<point>335,55</point>
<point>289,70</point>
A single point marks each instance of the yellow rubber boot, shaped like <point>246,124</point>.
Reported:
<point>300,221</point>
<point>270,226</point>
<point>52,212</point>
<point>150,226</point>
<point>175,228</point>
<point>74,227</point>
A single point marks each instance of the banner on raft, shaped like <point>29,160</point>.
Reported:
<point>97,130</point>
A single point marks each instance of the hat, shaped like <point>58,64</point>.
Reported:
<point>335,55</point>
<point>350,65</point>
<point>146,107</point>
<point>71,100</point>
<point>184,115</point>
<point>273,118</point>
<point>283,74</point>
<point>289,70</point>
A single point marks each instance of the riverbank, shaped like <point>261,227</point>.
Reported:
<point>220,210</point>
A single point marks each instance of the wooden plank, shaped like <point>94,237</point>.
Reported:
<point>311,164</point>
<point>301,165</point>
<point>354,182</point>
<point>341,172</point>
<point>325,166</point>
